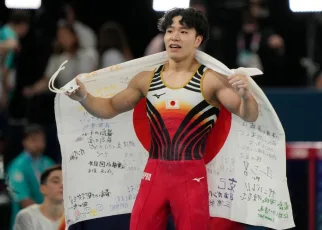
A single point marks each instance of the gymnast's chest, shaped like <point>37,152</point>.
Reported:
<point>173,101</point>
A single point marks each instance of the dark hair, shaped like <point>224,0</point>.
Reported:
<point>19,16</point>
<point>191,18</point>
<point>44,176</point>
<point>63,25</point>
<point>33,129</point>
<point>112,36</point>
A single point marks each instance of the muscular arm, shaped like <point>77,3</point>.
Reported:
<point>245,107</point>
<point>124,101</point>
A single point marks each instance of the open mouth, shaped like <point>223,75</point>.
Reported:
<point>174,47</point>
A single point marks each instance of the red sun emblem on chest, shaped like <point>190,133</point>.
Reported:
<point>215,140</point>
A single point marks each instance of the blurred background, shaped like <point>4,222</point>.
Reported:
<point>267,34</point>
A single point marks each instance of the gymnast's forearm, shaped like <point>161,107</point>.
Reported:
<point>108,108</point>
<point>99,107</point>
<point>249,109</point>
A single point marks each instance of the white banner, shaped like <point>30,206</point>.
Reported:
<point>103,160</point>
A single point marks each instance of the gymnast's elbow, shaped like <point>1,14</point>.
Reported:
<point>99,107</point>
<point>108,111</point>
<point>108,108</point>
<point>251,115</point>
<point>101,114</point>
<point>251,118</point>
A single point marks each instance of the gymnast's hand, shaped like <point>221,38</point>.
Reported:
<point>239,83</point>
<point>79,94</point>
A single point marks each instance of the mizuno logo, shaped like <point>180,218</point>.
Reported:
<point>158,96</point>
<point>198,179</point>
<point>146,176</point>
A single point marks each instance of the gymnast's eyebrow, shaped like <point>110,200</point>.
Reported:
<point>180,27</point>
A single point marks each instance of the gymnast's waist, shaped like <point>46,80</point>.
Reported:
<point>175,162</point>
<point>176,157</point>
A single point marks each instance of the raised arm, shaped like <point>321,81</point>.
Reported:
<point>233,94</point>
<point>124,101</point>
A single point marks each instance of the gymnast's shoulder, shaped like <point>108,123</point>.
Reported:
<point>212,78</point>
<point>142,80</point>
<point>144,76</point>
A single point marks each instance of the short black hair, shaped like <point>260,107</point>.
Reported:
<point>19,16</point>
<point>191,18</point>
<point>44,176</point>
<point>33,129</point>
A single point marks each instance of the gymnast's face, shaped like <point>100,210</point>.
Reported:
<point>180,41</point>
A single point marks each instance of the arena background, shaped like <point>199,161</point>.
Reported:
<point>293,93</point>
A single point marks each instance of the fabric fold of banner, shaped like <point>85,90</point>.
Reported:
<point>103,160</point>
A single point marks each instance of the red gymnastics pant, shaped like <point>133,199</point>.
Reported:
<point>179,187</point>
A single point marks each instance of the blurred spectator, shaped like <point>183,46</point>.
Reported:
<point>156,45</point>
<point>62,225</point>
<point>48,215</point>
<point>318,54</point>
<point>4,196</point>
<point>318,81</point>
<point>17,27</point>
<point>113,46</point>
<point>248,43</point>
<point>260,47</point>
<point>87,37</point>
<point>8,45</point>
<point>79,61</point>
<point>25,170</point>
<point>214,46</point>
<point>258,10</point>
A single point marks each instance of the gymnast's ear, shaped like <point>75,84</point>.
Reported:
<point>198,41</point>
